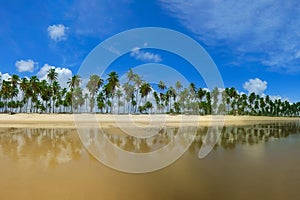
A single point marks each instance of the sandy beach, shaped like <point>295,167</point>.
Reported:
<point>108,120</point>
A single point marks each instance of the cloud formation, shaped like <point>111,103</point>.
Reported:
<point>63,74</point>
<point>145,55</point>
<point>4,76</point>
<point>255,85</point>
<point>57,32</point>
<point>269,27</point>
<point>25,65</point>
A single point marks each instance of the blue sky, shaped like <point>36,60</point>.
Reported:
<point>255,44</point>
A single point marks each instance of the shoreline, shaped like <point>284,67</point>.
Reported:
<point>112,121</point>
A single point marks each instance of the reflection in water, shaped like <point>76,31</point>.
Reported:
<point>57,166</point>
<point>231,136</point>
<point>56,146</point>
<point>250,134</point>
<point>53,146</point>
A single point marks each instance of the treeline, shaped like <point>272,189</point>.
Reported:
<point>31,95</point>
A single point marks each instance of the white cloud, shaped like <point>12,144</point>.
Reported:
<point>268,27</point>
<point>255,85</point>
<point>4,76</point>
<point>114,50</point>
<point>25,65</point>
<point>145,55</point>
<point>63,74</point>
<point>57,32</point>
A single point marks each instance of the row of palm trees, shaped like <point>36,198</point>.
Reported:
<point>134,96</point>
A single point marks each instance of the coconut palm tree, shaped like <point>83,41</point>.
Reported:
<point>145,89</point>
<point>232,94</point>
<point>55,92</point>
<point>215,97</point>
<point>129,92</point>
<point>119,95</point>
<point>77,99</point>
<point>178,86</point>
<point>101,101</point>
<point>171,94</point>
<point>157,101</point>
<point>52,76</point>
<point>161,86</point>
<point>6,93</point>
<point>113,83</point>
<point>14,81</point>
<point>35,91</point>
<point>208,109</point>
<point>130,75</point>
<point>73,82</point>
<point>46,93</point>
<point>86,97</point>
<point>93,86</point>
<point>137,84</point>
<point>24,87</point>
<point>251,100</point>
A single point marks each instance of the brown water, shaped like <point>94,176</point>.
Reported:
<point>250,162</point>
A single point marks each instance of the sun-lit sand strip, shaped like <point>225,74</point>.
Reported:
<point>110,121</point>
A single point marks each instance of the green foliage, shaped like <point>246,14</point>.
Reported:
<point>136,95</point>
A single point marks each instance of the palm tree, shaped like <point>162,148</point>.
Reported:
<point>68,100</point>
<point>52,76</point>
<point>93,86</point>
<point>73,82</point>
<point>171,95</point>
<point>35,88</point>
<point>129,92</point>
<point>14,80</point>
<point>101,101</point>
<point>157,100</point>
<point>24,86</point>
<point>183,100</point>
<point>113,82</point>
<point>77,98</point>
<point>178,86</point>
<point>6,92</point>
<point>46,93</point>
<point>215,95</point>
<point>162,86</point>
<point>232,94</point>
<point>55,92</point>
<point>148,106</point>
<point>251,99</point>
<point>137,83</point>
<point>262,105</point>
<point>119,95</point>
<point>130,75</point>
<point>62,99</point>
<point>86,97</point>
<point>200,95</point>
<point>145,89</point>
<point>208,104</point>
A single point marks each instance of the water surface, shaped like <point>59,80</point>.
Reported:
<point>248,162</point>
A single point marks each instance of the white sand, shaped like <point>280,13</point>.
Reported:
<point>107,120</point>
